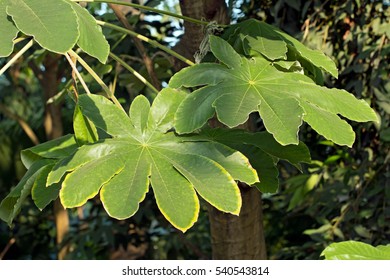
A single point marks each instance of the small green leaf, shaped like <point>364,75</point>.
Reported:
<point>200,74</point>
<point>302,184</point>
<point>8,31</point>
<point>354,250</point>
<point>53,24</point>
<point>84,130</point>
<point>267,40</point>
<point>195,109</point>
<point>91,39</point>
<point>41,194</point>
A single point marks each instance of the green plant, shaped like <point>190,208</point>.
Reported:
<point>257,69</point>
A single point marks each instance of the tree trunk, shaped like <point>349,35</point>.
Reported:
<point>239,237</point>
<point>233,237</point>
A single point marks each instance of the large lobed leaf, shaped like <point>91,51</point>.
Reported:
<point>143,151</point>
<point>283,99</point>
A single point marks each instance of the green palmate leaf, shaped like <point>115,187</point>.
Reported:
<point>10,206</point>
<point>354,250</point>
<point>8,31</point>
<point>267,40</point>
<point>262,151</point>
<point>53,24</point>
<point>283,99</point>
<point>177,168</point>
<point>84,130</point>
<point>91,39</point>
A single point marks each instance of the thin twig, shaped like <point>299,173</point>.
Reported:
<point>7,247</point>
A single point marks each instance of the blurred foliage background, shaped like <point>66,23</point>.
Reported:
<point>343,195</point>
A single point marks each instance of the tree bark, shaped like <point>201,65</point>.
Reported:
<point>239,237</point>
<point>232,237</point>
